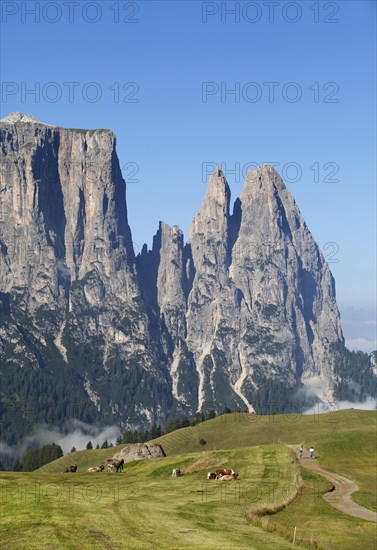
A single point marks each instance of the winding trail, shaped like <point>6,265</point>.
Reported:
<point>340,497</point>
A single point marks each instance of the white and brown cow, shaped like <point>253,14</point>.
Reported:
<point>96,469</point>
<point>229,477</point>
<point>113,464</point>
<point>176,472</point>
<point>222,472</point>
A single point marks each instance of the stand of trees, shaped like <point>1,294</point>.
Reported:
<point>139,436</point>
<point>37,458</point>
<point>355,377</point>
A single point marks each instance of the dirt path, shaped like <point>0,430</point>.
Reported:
<point>340,497</point>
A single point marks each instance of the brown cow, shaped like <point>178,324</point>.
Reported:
<point>222,472</point>
<point>71,469</point>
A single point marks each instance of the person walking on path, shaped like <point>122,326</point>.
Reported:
<point>311,452</point>
<point>301,450</point>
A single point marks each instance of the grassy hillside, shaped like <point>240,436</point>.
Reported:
<point>345,441</point>
<point>145,507</point>
<point>83,459</point>
<point>242,430</point>
<point>352,454</point>
<point>237,430</point>
<point>318,524</point>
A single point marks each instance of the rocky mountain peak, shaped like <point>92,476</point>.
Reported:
<point>261,181</point>
<point>218,189</point>
<point>17,117</point>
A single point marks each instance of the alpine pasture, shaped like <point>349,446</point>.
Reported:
<point>273,503</point>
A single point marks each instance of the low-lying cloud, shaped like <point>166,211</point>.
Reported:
<point>317,387</point>
<point>369,404</point>
<point>73,434</point>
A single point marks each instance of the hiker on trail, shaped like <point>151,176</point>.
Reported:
<point>301,450</point>
<point>311,452</point>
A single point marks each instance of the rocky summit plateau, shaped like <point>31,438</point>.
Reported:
<point>242,316</point>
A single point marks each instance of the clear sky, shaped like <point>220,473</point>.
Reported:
<point>161,75</point>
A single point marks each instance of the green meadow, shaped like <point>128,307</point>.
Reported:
<point>145,507</point>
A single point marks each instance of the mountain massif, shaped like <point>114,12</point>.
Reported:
<point>243,315</point>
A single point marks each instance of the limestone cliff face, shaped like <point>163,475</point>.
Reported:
<point>286,285</point>
<point>63,211</point>
<point>212,315</point>
<point>245,311</point>
<point>165,275</point>
<point>67,265</point>
<point>261,305</point>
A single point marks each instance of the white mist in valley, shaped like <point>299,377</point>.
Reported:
<point>73,434</point>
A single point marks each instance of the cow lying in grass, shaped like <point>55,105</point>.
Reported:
<point>113,464</point>
<point>96,469</point>
<point>71,469</point>
<point>224,475</point>
<point>176,472</point>
<point>222,472</point>
<point>230,477</point>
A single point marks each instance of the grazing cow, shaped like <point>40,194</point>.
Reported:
<point>222,472</point>
<point>115,464</point>
<point>212,475</point>
<point>96,469</point>
<point>230,477</point>
<point>119,465</point>
<point>71,469</point>
<point>176,472</point>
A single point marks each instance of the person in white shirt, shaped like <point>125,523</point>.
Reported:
<point>311,452</point>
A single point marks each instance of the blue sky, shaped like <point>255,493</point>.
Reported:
<point>177,61</point>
